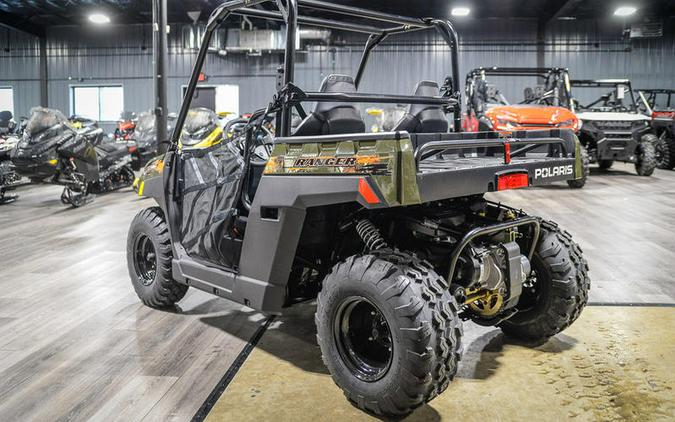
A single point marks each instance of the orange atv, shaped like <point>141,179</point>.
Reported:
<point>548,105</point>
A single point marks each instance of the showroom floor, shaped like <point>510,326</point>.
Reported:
<point>76,344</point>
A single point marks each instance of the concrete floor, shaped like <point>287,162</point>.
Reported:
<point>607,366</point>
<point>75,343</point>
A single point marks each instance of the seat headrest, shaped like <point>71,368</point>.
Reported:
<point>528,94</point>
<point>424,89</point>
<point>335,83</point>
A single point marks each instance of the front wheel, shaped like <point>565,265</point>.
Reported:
<point>605,164</point>
<point>646,155</point>
<point>555,292</point>
<point>388,331</point>
<point>149,258</point>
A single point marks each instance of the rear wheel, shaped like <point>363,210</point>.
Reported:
<point>556,291</point>
<point>149,258</point>
<point>585,171</point>
<point>605,164</point>
<point>646,155</point>
<point>388,331</point>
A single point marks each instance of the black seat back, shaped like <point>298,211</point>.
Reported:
<point>332,118</point>
<point>423,118</point>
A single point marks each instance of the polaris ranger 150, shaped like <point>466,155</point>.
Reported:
<point>612,129</point>
<point>390,229</point>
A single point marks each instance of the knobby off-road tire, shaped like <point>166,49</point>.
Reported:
<point>605,164</point>
<point>585,169</point>
<point>646,155</point>
<point>149,258</point>
<point>421,317</point>
<point>665,151</point>
<point>556,292</point>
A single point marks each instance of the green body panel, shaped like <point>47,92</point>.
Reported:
<point>389,163</point>
<point>578,165</point>
<point>150,177</point>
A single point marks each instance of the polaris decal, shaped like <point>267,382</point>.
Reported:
<point>325,162</point>
<point>546,172</point>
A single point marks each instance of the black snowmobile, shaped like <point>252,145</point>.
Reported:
<point>53,151</point>
<point>142,144</point>
<point>9,179</point>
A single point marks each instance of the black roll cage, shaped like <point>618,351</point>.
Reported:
<point>290,96</point>
<point>604,83</point>
<point>651,95</point>
<point>542,72</point>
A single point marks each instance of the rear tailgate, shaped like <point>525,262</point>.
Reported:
<point>460,164</point>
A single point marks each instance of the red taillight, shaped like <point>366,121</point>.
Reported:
<point>367,192</point>
<point>507,153</point>
<point>133,148</point>
<point>512,181</point>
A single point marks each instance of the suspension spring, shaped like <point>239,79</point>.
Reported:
<point>370,235</point>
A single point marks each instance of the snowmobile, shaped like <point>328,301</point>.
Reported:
<point>9,179</point>
<point>125,126</point>
<point>142,142</point>
<point>202,130</point>
<point>52,151</point>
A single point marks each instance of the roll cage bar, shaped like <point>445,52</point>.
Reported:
<point>290,96</point>
<point>560,73</point>
<point>605,83</point>
<point>651,94</point>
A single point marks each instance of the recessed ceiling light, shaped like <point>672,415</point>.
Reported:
<point>460,11</point>
<point>99,18</point>
<point>625,11</point>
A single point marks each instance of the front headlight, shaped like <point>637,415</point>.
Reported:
<point>504,124</point>
<point>574,124</point>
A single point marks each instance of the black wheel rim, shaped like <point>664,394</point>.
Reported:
<point>145,259</point>
<point>535,288</point>
<point>363,338</point>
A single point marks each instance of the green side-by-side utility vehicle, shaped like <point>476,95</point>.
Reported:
<point>389,231</point>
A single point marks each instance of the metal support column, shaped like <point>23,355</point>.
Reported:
<point>160,52</point>
<point>44,75</point>
<point>541,44</point>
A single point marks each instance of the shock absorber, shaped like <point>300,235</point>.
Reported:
<point>370,235</point>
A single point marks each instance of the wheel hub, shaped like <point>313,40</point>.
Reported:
<point>145,259</point>
<point>363,338</point>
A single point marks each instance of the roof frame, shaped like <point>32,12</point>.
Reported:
<point>288,11</point>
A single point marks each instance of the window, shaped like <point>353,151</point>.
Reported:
<point>7,99</point>
<point>102,103</point>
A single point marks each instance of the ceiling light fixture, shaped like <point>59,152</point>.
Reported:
<point>99,18</point>
<point>460,11</point>
<point>625,11</point>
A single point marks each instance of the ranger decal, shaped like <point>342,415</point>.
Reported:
<point>325,162</point>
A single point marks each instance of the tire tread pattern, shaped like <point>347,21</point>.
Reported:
<point>646,155</point>
<point>569,289</point>
<point>164,292</point>
<point>427,321</point>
